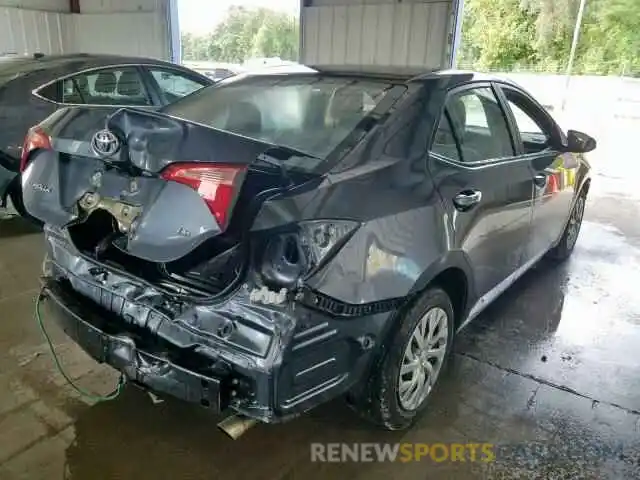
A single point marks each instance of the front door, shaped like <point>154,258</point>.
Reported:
<point>554,174</point>
<point>486,189</point>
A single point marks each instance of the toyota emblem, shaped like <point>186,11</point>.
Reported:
<point>105,143</point>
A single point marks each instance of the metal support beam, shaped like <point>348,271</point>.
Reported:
<point>458,12</point>
<point>572,54</point>
<point>173,30</point>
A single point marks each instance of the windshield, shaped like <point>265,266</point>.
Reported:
<point>307,113</point>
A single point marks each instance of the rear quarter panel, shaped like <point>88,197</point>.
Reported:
<point>405,238</point>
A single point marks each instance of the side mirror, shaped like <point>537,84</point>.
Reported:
<point>579,142</point>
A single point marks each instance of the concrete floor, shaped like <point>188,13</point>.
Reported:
<point>554,362</point>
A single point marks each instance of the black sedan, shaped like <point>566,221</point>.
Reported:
<point>32,88</point>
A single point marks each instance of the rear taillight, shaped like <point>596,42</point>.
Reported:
<point>218,185</point>
<point>36,139</point>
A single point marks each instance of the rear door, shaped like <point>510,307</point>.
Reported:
<point>486,189</point>
<point>554,173</point>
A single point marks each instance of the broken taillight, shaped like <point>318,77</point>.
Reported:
<point>300,253</point>
<point>218,185</point>
<point>36,139</point>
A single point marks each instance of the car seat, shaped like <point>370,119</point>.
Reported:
<point>129,86</point>
<point>105,87</point>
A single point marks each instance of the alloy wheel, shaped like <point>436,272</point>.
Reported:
<point>575,221</point>
<point>423,358</point>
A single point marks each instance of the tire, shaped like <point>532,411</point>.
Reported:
<point>567,243</point>
<point>390,404</point>
<point>15,193</point>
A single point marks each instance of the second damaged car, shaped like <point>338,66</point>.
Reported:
<point>277,240</point>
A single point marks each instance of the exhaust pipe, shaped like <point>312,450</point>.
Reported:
<point>236,425</point>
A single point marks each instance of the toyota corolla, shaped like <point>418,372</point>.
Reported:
<point>280,239</point>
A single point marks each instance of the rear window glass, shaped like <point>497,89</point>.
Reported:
<point>306,113</point>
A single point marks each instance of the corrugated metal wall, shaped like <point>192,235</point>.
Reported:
<point>121,6</point>
<point>135,27</point>
<point>29,31</point>
<point>370,33</point>
<point>143,34</point>
<point>46,5</point>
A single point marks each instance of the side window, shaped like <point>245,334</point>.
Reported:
<point>174,85</point>
<point>51,92</point>
<point>528,121</point>
<point>111,86</point>
<point>475,120</point>
<point>444,142</point>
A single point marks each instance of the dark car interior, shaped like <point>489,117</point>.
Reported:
<point>109,88</point>
<point>481,131</point>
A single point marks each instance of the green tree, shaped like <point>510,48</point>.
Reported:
<point>537,34</point>
<point>244,33</point>
<point>277,37</point>
<point>497,34</point>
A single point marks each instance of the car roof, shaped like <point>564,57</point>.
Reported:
<point>50,61</point>
<point>50,67</point>
<point>464,75</point>
<point>384,73</point>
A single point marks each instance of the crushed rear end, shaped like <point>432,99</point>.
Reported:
<point>188,273</point>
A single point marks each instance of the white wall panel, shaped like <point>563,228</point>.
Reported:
<point>413,34</point>
<point>142,34</point>
<point>30,31</point>
<point>47,5</point>
<point>120,6</point>
<point>139,29</point>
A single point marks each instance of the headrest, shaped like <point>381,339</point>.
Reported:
<point>129,84</point>
<point>106,82</point>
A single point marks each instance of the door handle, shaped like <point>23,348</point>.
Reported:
<point>467,199</point>
<point>540,179</point>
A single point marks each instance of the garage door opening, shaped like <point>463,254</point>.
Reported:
<point>226,37</point>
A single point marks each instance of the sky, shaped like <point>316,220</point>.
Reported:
<point>201,16</point>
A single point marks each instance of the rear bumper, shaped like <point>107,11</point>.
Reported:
<point>153,371</point>
<point>273,363</point>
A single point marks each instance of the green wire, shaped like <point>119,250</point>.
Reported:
<point>91,396</point>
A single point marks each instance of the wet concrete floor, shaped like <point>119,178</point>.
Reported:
<point>549,374</point>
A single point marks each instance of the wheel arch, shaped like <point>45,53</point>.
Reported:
<point>453,274</point>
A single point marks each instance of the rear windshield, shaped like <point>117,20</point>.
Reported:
<point>309,114</point>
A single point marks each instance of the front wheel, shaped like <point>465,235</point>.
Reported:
<point>565,246</point>
<point>413,362</point>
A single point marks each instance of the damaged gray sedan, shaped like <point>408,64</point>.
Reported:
<point>276,240</point>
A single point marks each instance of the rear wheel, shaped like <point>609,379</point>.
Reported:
<point>565,246</point>
<point>413,362</point>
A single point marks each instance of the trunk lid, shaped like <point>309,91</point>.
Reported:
<point>167,185</point>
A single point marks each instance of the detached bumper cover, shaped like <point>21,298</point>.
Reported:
<point>151,370</point>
